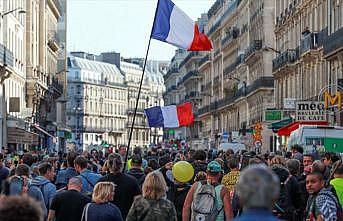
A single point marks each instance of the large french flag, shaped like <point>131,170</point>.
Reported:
<point>173,26</point>
<point>172,116</point>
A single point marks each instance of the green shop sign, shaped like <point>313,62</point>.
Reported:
<point>272,115</point>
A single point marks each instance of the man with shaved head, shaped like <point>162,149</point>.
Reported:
<point>68,205</point>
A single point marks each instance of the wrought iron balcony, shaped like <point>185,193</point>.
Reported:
<point>230,36</point>
<point>262,82</point>
<point>6,56</point>
<point>215,7</point>
<point>95,129</point>
<point>132,111</point>
<point>192,95</point>
<point>214,28</point>
<point>56,86</point>
<point>170,72</point>
<point>188,57</point>
<point>253,47</point>
<point>312,41</point>
<point>239,60</point>
<point>204,110</point>
<point>333,43</point>
<point>287,57</point>
<point>204,60</point>
<point>190,74</point>
<point>53,41</point>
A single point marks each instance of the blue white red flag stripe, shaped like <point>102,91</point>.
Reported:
<point>173,26</point>
<point>172,116</point>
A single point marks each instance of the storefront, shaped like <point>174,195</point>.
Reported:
<point>19,139</point>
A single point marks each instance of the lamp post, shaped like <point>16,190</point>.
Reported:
<point>3,76</point>
<point>77,111</point>
<point>212,118</point>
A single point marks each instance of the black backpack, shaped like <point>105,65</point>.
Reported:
<point>283,207</point>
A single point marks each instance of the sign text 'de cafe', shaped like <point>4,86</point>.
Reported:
<point>310,111</point>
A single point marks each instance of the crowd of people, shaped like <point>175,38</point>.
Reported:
<point>167,184</point>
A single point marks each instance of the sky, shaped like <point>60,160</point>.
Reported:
<point>124,26</point>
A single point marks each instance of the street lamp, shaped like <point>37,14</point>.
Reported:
<point>20,11</point>
<point>77,111</point>
<point>268,48</point>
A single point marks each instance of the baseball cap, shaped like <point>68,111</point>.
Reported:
<point>136,159</point>
<point>214,167</point>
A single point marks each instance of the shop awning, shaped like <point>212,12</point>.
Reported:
<point>21,136</point>
<point>43,131</point>
<point>287,130</point>
<point>279,124</point>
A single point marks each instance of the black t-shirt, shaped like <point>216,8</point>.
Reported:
<point>68,205</point>
<point>127,188</point>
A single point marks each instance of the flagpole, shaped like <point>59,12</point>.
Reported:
<point>139,92</point>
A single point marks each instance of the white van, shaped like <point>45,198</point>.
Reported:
<point>325,138</point>
<point>234,146</point>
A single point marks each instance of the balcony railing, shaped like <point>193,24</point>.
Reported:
<point>230,9</point>
<point>312,41</point>
<point>56,86</point>
<point>188,57</point>
<point>215,7</point>
<point>204,60</point>
<point>254,46</point>
<point>192,94</point>
<point>239,60</point>
<point>6,56</point>
<point>214,28</point>
<point>193,73</point>
<point>262,82</point>
<point>230,36</point>
<point>287,57</point>
<point>334,42</point>
<point>170,72</point>
<point>132,110</point>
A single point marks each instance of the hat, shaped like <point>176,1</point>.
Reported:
<point>136,159</point>
<point>214,167</point>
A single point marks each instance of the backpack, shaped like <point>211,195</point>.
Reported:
<point>283,207</point>
<point>89,194</point>
<point>204,205</point>
<point>41,187</point>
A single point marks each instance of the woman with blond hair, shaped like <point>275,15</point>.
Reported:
<point>153,205</point>
<point>101,208</point>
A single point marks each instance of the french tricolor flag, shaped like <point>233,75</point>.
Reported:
<point>173,26</point>
<point>172,116</point>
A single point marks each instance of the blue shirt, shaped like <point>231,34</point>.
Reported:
<point>89,179</point>
<point>103,212</point>
<point>63,176</point>
<point>256,214</point>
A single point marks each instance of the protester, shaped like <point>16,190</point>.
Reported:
<point>126,185</point>
<point>68,205</point>
<point>89,178</point>
<point>322,204</point>
<point>257,188</point>
<point>136,169</point>
<point>152,205</point>
<point>218,207</point>
<point>199,163</point>
<point>20,208</point>
<point>19,184</point>
<point>101,208</point>
<point>337,183</point>
<point>44,182</point>
<point>4,171</point>
<point>230,179</point>
<point>64,175</point>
